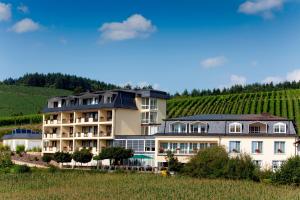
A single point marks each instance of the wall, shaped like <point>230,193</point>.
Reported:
<point>127,122</point>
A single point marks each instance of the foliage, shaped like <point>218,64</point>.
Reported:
<point>18,101</point>
<point>20,169</point>
<point>75,184</point>
<point>173,163</point>
<point>20,149</point>
<point>241,167</point>
<point>35,149</point>
<point>83,156</point>
<point>20,120</point>
<point>289,172</point>
<point>62,157</point>
<point>60,81</point>
<point>208,163</point>
<point>47,158</point>
<point>117,154</point>
<point>5,160</point>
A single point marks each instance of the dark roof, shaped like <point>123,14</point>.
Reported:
<point>23,134</point>
<point>134,137</point>
<point>230,117</point>
<point>227,134</point>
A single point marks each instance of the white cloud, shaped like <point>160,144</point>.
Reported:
<point>24,9</point>
<point>135,26</point>
<point>5,12</point>
<point>213,62</point>
<point>273,79</point>
<point>25,25</point>
<point>63,41</point>
<point>293,76</point>
<point>264,8</point>
<point>237,80</point>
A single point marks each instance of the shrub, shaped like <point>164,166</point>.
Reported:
<point>288,173</point>
<point>207,163</point>
<point>118,154</point>
<point>241,167</point>
<point>173,164</point>
<point>20,169</point>
<point>5,160</point>
<point>35,149</point>
<point>62,157</point>
<point>20,149</point>
<point>47,158</point>
<point>82,156</point>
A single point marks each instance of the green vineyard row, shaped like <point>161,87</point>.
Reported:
<point>284,103</point>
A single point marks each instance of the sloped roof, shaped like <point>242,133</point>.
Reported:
<point>23,134</point>
<point>230,117</point>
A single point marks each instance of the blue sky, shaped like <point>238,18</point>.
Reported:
<point>172,45</point>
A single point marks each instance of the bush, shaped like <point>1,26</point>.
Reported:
<point>5,160</point>
<point>173,164</point>
<point>241,167</point>
<point>35,149</point>
<point>47,158</point>
<point>20,169</point>
<point>20,120</point>
<point>20,149</point>
<point>207,163</point>
<point>288,173</point>
<point>62,157</point>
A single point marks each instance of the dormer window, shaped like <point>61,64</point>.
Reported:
<point>178,127</point>
<point>55,104</point>
<point>235,127</point>
<point>109,99</point>
<point>279,127</point>
<point>198,127</point>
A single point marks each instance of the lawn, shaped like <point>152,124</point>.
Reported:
<point>92,185</point>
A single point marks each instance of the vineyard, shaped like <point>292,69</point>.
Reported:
<point>285,103</point>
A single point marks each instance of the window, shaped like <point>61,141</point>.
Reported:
<point>280,128</point>
<point>145,117</point>
<point>183,148</point>
<point>163,147</point>
<point>109,99</point>
<point>149,145</point>
<point>178,127</point>
<point>153,104</point>
<point>55,104</point>
<point>257,147</point>
<point>235,128</point>
<point>153,117</point>
<point>257,163</point>
<point>276,164</point>
<point>173,147</point>
<point>136,145</point>
<point>119,143</point>
<point>254,129</point>
<point>193,148</point>
<point>145,103</point>
<point>234,146</point>
<point>279,147</point>
<point>198,128</point>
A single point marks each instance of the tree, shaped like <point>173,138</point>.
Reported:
<point>115,154</point>
<point>5,160</point>
<point>83,156</point>
<point>47,158</point>
<point>20,149</point>
<point>62,157</point>
<point>173,163</point>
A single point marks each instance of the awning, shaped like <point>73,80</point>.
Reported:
<point>141,157</point>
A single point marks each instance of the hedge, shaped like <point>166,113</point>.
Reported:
<point>21,120</point>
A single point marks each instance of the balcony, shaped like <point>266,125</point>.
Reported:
<point>51,135</point>
<point>52,122</point>
<point>86,120</point>
<point>67,148</point>
<point>67,121</point>
<point>105,134</point>
<point>51,149</point>
<point>67,135</point>
<point>86,134</point>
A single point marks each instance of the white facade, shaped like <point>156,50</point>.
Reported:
<point>28,143</point>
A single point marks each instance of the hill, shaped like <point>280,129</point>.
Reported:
<point>285,103</point>
<point>24,100</point>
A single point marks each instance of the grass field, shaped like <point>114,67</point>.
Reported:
<point>284,103</point>
<point>26,100</point>
<point>91,185</point>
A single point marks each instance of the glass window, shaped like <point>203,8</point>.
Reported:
<point>163,147</point>
<point>119,143</point>
<point>257,147</point>
<point>136,145</point>
<point>153,104</point>
<point>254,129</point>
<point>198,128</point>
<point>280,128</point>
<point>235,128</point>
<point>178,127</point>
<point>173,147</point>
<point>149,145</point>
<point>234,146</point>
<point>145,117</point>
<point>203,145</point>
<point>183,148</point>
<point>279,147</point>
<point>153,117</point>
<point>145,103</point>
<point>193,148</point>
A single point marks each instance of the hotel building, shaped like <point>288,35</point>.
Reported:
<point>97,120</point>
<point>268,139</point>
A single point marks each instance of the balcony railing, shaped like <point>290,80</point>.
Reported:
<point>51,149</point>
<point>105,134</point>
<point>52,122</point>
<point>51,135</point>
